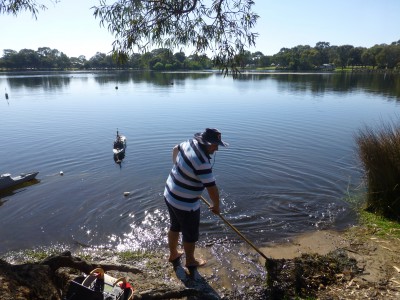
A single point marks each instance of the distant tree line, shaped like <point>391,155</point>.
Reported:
<point>308,58</point>
<point>46,58</point>
<point>296,58</point>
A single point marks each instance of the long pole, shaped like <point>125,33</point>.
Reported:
<point>237,231</point>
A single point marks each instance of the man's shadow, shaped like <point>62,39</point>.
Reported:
<point>193,280</point>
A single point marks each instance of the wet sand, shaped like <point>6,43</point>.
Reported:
<point>319,242</point>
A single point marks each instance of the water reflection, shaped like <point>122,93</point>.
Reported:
<point>384,84</point>
<point>118,158</point>
<point>17,188</point>
<point>47,81</point>
<point>5,193</point>
<point>155,78</point>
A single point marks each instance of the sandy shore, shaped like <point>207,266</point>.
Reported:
<point>320,242</point>
<point>237,271</point>
<point>240,267</point>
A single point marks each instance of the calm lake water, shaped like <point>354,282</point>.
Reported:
<point>291,161</point>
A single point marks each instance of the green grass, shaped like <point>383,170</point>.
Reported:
<point>134,255</point>
<point>350,68</point>
<point>265,68</point>
<point>381,226</point>
<point>37,255</point>
<point>374,224</point>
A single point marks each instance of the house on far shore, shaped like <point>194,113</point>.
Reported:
<point>327,67</point>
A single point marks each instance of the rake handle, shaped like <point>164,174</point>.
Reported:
<point>236,230</point>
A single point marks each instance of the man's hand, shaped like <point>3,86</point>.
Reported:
<point>215,209</point>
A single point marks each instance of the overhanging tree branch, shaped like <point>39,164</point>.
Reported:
<point>220,27</point>
<point>14,7</point>
<point>223,27</point>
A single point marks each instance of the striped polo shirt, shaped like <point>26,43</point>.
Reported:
<point>189,176</point>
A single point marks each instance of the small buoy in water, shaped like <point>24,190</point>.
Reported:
<point>126,194</point>
<point>61,173</point>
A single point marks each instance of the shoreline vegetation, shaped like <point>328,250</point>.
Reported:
<point>322,57</point>
<point>369,70</point>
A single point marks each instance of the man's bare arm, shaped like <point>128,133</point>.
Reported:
<point>175,152</point>
<point>213,192</point>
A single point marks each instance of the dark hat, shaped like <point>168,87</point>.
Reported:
<point>211,136</point>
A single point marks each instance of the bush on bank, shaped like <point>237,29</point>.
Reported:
<point>379,151</point>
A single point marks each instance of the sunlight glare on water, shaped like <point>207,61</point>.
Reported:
<point>149,234</point>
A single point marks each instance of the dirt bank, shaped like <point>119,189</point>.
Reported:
<point>377,257</point>
<point>237,271</point>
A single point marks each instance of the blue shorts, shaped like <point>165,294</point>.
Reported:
<point>187,222</point>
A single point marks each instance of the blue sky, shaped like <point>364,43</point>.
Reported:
<point>69,26</point>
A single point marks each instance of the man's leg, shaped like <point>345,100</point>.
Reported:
<point>191,261</point>
<point>173,242</point>
<point>189,252</point>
